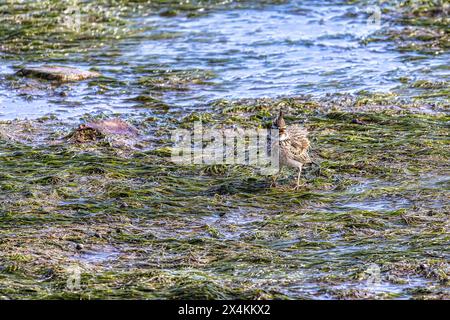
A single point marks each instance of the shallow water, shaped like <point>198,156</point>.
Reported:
<point>299,47</point>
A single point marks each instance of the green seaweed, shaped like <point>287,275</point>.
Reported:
<point>222,232</point>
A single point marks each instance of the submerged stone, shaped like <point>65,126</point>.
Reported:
<point>95,130</point>
<point>58,73</point>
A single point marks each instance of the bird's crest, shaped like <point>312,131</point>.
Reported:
<point>279,121</point>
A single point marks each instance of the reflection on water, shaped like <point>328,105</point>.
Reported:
<point>105,254</point>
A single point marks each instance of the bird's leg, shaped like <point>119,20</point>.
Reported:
<point>274,179</point>
<point>298,178</point>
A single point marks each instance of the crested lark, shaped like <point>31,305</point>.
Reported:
<point>293,146</point>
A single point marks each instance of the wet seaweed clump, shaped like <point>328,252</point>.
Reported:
<point>176,80</point>
<point>425,40</point>
<point>54,28</point>
<point>437,9</point>
<point>417,26</point>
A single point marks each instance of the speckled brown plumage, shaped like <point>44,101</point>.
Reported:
<point>293,145</point>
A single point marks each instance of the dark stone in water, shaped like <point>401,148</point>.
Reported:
<point>58,73</point>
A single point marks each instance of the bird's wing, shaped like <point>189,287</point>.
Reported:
<point>299,143</point>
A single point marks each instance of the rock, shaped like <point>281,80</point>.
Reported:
<point>112,126</point>
<point>79,246</point>
<point>95,130</point>
<point>58,73</point>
